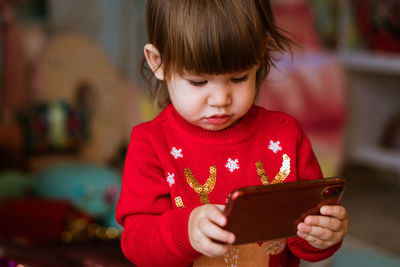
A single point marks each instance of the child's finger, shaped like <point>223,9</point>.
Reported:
<point>215,215</point>
<point>318,232</point>
<point>315,241</point>
<point>324,221</point>
<point>338,212</point>
<point>213,231</point>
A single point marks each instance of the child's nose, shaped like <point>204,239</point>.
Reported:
<point>220,97</point>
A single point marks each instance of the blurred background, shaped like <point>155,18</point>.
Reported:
<point>71,90</point>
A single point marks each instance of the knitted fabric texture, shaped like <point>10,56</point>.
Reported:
<point>173,167</point>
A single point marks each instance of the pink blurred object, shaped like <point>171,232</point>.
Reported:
<point>312,89</point>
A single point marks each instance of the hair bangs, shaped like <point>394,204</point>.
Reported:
<point>210,40</point>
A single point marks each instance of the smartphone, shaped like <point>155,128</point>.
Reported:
<point>267,212</point>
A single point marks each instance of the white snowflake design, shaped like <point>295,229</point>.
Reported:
<point>274,146</point>
<point>171,179</point>
<point>232,164</point>
<point>177,153</point>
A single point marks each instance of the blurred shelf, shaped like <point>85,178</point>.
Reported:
<point>369,106</point>
<point>371,62</point>
<point>377,157</point>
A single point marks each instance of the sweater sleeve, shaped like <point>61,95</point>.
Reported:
<point>154,233</point>
<point>308,169</point>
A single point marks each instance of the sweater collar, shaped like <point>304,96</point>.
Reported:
<point>244,129</point>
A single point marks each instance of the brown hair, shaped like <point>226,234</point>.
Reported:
<point>211,36</point>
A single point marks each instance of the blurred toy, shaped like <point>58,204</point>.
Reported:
<point>91,188</point>
<point>54,127</point>
<point>77,71</point>
<point>58,128</point>
<point>74,202</point>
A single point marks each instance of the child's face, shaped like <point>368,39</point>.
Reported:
<point>213,102</point>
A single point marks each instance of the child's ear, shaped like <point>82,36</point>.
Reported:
<point>154,60</point>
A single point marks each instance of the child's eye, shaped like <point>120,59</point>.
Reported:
<point>240,79</point>
<point>198,83</point>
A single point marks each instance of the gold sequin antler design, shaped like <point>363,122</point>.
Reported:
<point>202,190</point>
<point>280,177</point>
<point>179,202</point>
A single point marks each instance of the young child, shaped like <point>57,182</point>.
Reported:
<point>209,58</point>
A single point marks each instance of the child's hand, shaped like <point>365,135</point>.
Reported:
<point>205,232</point>
<point>325,230</point>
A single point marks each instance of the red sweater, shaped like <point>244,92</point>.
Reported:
<point>168,160</point>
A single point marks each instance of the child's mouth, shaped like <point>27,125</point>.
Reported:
<point>218,119</point>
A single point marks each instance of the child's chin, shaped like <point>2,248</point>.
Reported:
<point>213,127</point>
